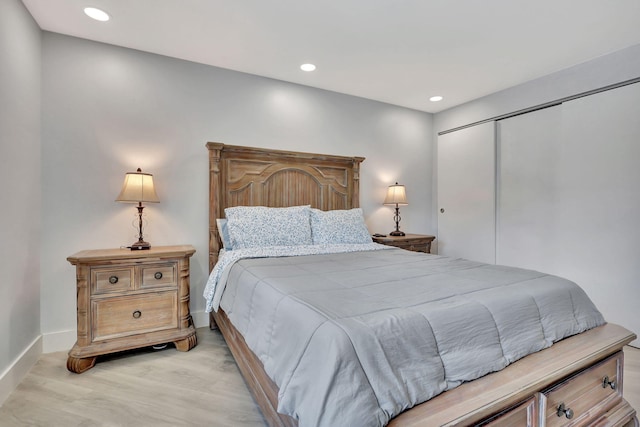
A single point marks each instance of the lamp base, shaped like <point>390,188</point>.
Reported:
<point>140,245</point>
<point>397,233</point>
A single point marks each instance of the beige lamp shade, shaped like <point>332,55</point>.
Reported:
<point>396,195</point>
<point>138,187</point>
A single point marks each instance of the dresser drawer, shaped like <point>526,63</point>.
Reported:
<point>160,275</point>
<point>126,315</point>
<point>107,280</point>
<point>525,415</point>
<point>586,396</point>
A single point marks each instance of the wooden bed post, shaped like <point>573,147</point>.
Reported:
<point>355,198</point>
<point>214,201</point>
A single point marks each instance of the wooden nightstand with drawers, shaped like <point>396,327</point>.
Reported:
<point>130,299</point>
<point>410,242</point>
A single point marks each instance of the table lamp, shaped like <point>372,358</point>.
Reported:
<point>138,188</point>
<point>396,195</point>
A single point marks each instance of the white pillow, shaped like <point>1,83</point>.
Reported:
<point>260,226</point>
<point>339,226</point>
<point>223,231</point>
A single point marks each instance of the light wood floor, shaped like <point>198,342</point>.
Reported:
<point>161,388</point>
<point>202,387</point>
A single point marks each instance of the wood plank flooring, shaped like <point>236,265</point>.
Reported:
<point>202,387</point>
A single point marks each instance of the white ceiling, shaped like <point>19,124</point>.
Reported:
<point>396,51</point>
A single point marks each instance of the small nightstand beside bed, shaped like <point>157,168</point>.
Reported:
<point>131,299</point>
<point>366,334</point>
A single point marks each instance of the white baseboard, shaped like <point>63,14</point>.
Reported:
<point>200,319</point>
<point>58,341</point>
<point>12,376</point>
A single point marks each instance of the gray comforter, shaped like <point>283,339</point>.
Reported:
<point>353,339</point>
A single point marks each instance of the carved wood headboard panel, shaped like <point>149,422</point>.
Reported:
<point>246,176</point>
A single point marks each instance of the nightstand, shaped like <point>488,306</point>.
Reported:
<point>410,242</point>
<point>130,299</point>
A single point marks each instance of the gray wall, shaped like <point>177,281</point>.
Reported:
<point>108,110</point>
<point>20,53</point>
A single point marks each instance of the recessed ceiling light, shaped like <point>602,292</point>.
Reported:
<point>97,14</point>
<point>435,98</point>
<point>307,67</point>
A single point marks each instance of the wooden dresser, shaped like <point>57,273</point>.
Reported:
<point>410,242</point>
<point>575,382</point>
<point>592,396</point>
<point>130,299</point>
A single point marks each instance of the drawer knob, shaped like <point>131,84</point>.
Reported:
<point>113,280</point>
<point>158,275</point>
<point>567,412</point>
<point>137,314</point>
<point>606,382</point>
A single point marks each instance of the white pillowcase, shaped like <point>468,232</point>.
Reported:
<point>339,226</point>
<point>223,231</point>
<point>260,226</point>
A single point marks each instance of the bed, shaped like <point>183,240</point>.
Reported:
<point>576,381</point>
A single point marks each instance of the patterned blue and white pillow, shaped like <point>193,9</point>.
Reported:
<point>260,226</point>
<point>339,226</point>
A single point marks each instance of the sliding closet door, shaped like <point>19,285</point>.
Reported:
<point>601,200</point>
<point>466,193</point>
<point>529,165</point>
<point>568,199</point>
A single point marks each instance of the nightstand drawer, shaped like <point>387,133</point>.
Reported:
<point>410,242</point>
<point>127,315</point>
<point>415,246</point>
<point>108,280</point>
<point>586,396</point>
<point>161,275</point>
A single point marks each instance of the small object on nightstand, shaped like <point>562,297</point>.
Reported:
<point>138,188</point>
<point>410,242</point>
<point>131,299</point>
<point>379,235</point>
<point>396,195</point>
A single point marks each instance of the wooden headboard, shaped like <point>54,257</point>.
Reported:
<point>246,176</point>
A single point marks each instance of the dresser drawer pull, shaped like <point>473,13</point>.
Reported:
<point>158,275</point>
<point>113,280</point>
<point>606,382</point>
<point>567,412</point>
<point>137,314</point>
